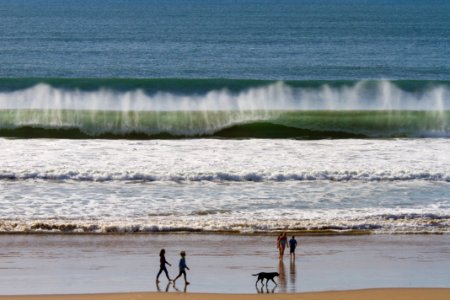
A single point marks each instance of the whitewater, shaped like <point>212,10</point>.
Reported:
<point>236,156</point>
<point>251,185</point>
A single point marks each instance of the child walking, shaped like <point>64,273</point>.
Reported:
<point>162,266</point>
<point>183,268</point>
<point>292,246</point>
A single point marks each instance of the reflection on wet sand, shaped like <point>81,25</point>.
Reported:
<point>265,289</point>
<point>282,277</point>
<point>158,288</point>
<point>178,290</point>
<point>292,276</point>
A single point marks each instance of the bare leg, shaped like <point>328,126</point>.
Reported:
<point>176,278</point>
<point>185,281</point>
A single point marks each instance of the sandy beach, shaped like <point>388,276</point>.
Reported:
<point>221,264</point>
<point>370,294</point>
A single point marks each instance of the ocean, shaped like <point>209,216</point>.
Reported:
<point>225,116</point>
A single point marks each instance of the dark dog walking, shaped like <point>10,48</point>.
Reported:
<point>267,276</point>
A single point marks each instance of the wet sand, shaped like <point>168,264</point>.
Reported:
<point>84,264</point>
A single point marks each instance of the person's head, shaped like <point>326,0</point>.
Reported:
<point>293,237</point>
<point>162,252</point>
<point>183,253</point>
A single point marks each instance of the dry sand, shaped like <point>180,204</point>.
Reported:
<point>368,294</point>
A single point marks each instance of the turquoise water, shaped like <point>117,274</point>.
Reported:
<point>253,39</point>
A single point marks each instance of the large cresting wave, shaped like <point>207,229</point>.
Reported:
<point>176,108</point>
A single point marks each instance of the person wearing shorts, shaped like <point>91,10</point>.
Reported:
<point>292,246</point>
<point>183,268</point>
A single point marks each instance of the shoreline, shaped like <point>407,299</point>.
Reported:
<point>367,294</point>
<point>318,232</point>
<point>300,233</point>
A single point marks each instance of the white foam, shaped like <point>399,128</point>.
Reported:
<point>230,160</point>
<point>364,95</point>
<point>245,185</point>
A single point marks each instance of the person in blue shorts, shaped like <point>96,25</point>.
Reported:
<point>292,246</point>
<point>183,268</point>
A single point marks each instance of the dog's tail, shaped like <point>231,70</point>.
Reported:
<point>256,274</point>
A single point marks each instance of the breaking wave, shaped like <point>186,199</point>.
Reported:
<point>392,224</point>
<point>178,108</point>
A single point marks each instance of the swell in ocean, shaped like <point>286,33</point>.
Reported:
<point>202,108</point>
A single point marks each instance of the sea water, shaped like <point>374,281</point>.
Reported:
<point>224,116</point>
<point>251,39</point>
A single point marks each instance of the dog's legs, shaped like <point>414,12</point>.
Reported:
<point>273,281</point>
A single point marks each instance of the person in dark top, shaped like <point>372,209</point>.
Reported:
<point>162,265</point>
<point>183,268</point>
<point>292,246</point>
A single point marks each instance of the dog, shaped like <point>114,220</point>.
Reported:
<point>267,276</point>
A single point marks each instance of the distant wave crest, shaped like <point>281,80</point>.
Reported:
<point>359,175</point>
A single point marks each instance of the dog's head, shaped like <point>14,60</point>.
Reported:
<point>276,274</point>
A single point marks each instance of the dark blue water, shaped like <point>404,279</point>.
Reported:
<point>255,39</point>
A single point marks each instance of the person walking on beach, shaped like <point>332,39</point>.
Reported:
<point>281,243</point>
<point>183,268</point>
<point>162,265</point>
<point>292,246</point>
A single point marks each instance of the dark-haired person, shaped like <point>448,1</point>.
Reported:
<point>292,246</point>
<point>162,265</point>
